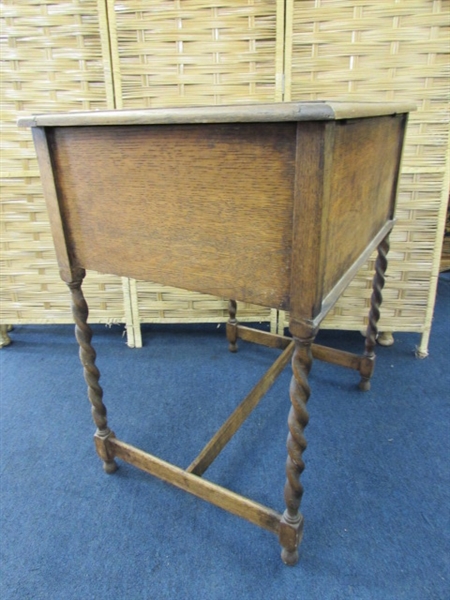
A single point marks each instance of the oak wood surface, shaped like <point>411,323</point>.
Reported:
<point>363,185</point>
<point>309,219</point>
<point>277,214</point>
<point>52,201</point>
<point>220,496</point>
<point>281,111</point>
<point>344,200</point>
<point>331,298</point>
<point>204,208</point>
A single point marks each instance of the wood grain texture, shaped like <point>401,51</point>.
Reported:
<point>204,208</point>
<point>276,214</point>
<point>363,186</point>
<point>330,299</point>
<point>256,113</point>
<point>52,201</point>
<point>291,527</point>
<point>344,201</point>
<point>215,494</point>
<point>314,162</point>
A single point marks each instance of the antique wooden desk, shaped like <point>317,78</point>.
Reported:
<point>278,205</point>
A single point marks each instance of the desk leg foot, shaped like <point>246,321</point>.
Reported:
<point>291,526</point>
<point>83,334</point>
<point>110,466</point>
<point>101,439</point>
<point>291,533</point>
<point>232,333</point>
<point>368,362</point>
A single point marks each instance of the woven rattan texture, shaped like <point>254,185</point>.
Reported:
<point>445,259</point>
<point>155,302</point>
<point>51,60</point>
<point>89,54</point>
<point>386,50</point>
<point>194,52</point>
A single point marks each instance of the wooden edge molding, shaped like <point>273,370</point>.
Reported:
<point>277,111</point>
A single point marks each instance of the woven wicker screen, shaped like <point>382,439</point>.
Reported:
<point>386,50</point>
<point>86,54</point>
<point>195,52</point>
<point>51,60</point>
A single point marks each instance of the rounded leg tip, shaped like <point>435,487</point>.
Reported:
<point>421,353</point>
<point>289,558</point>
<point>385,338</point>
<point>232,347</point>
<point>110,466</point>
<point>364,385</point>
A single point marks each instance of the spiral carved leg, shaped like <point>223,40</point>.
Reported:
<point>368,363</point>
<point>291,526</point>
<point>232,326</point>
<point>83,334</point>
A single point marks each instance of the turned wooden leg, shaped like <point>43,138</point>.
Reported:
<point>83,333</point>
<point>368,363</point>
<point>291,526</point>
<point>232,326</point>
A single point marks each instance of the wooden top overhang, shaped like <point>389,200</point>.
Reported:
<point>245,113</point>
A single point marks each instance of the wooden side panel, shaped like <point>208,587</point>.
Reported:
<point>363,186</point>
<point>205,208</point>
<point>48,185</point>
<point>314,162</point>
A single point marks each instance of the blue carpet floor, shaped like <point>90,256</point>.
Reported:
<point>376,500</point>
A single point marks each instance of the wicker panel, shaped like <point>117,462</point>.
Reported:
<point>195,52</point>
<point>386,50</point>
<point>170,305</point>
<point>445,257</point>
<point>51,60</point>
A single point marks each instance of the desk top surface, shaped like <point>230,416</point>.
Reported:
<point>245,113</point>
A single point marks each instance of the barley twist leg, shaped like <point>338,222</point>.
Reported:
<point>291,526</point>
<point>368,363</point>
<point>83,334</point>
<point>232,326</point>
